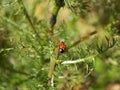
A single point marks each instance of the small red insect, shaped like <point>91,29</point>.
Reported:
<point>62,47</point>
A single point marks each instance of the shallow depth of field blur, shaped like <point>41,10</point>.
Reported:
<point>25,58</point>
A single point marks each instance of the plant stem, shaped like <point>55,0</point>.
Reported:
<point>29,20</point>
<point>80,40</point>
<point>13,70</point>
<point>58,5</point>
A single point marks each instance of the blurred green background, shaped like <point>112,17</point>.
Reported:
<point>25,58</point>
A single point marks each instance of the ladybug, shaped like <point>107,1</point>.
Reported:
<point>62,47</point>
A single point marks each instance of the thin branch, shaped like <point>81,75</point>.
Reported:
<point>58,5</point>
<point>52,66</point>
<point>73,61</point>
<point>87,59</point>
<point>114,24</point>
<point>83,39</point>
<point>29,20</point>
<point>13,70</point>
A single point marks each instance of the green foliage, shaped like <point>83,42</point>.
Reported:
<point>26,47</point>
